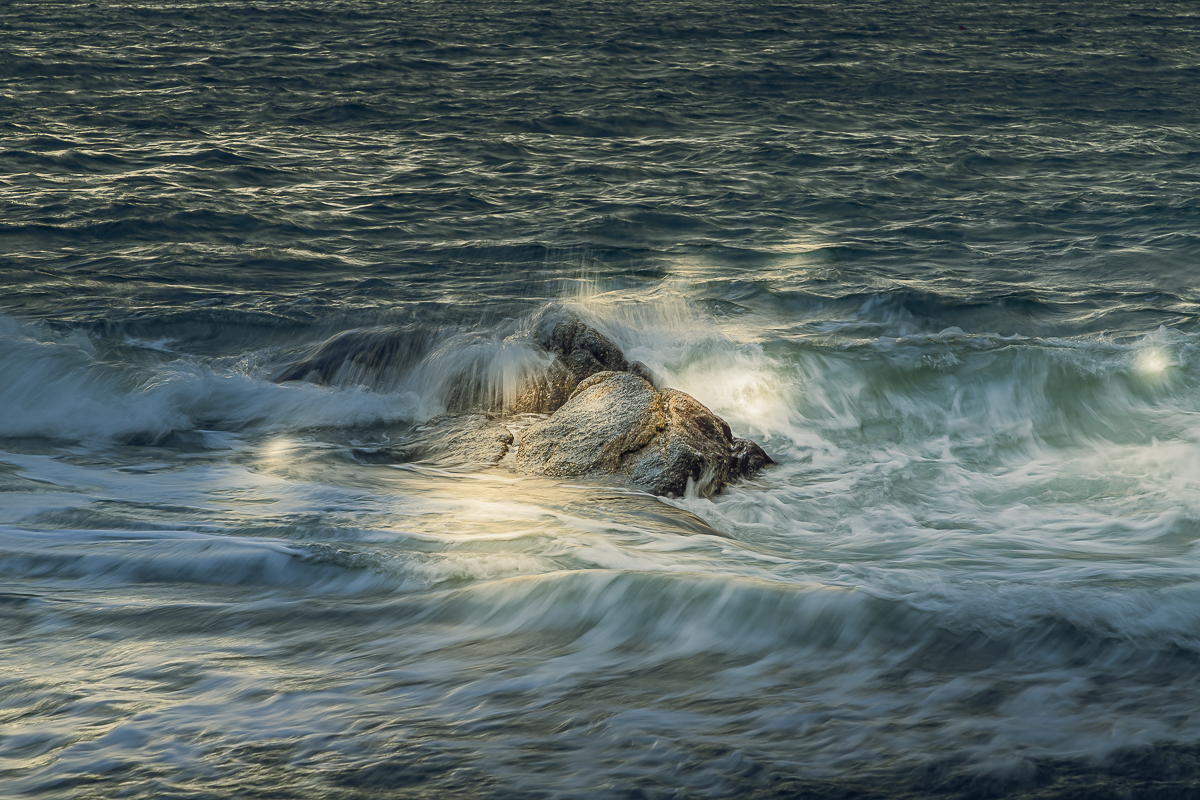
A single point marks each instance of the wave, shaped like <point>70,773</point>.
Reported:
<point>835,681</point>
<point>60,387</point>
<point>130,558</point>
<point>972,389</point>
<point>666,614</point>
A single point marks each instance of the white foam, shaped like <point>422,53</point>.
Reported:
<point>56,387</point>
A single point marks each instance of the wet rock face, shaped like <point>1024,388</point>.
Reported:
<point>748,458</point>
<point>545,392</point>
<point>450,440</point>
<point>609,415</point>
<point>617,424</point>
<point>583,349</point>
<point>580,351</point>
<point>562,350</point>
<point>696,445</point>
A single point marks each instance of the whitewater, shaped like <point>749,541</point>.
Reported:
<point>938,261</point>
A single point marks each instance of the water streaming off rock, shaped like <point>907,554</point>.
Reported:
<point>939,261</point>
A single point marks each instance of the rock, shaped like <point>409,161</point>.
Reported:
<point>579,352</point>
<point>453,440</point>
<point>608,415</point>
<point>617,424</point>
<point>572,349</point>
<point>546,361</point>
<point>696,444</point>
<point>748,458</point>
<point>584,350</point>
<point>544,392</point>
<point>644,372</point>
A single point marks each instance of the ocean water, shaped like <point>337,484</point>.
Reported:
<point>939,259</point>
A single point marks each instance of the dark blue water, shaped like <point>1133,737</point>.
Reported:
<point>939,260</point>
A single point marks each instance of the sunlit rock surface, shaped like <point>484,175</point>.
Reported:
<point>617,424</point>
<point>609,415</point>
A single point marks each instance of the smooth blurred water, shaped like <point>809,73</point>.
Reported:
<point>938,259</point>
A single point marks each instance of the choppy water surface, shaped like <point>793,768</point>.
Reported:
<point>939,261</point>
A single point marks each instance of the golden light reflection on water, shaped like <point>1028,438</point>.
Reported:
<point>276,450</point>
<point>495,506</point>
